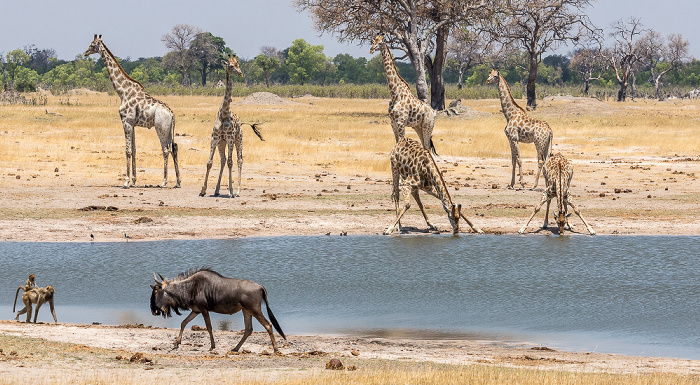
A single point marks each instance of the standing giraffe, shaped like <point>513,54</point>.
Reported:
<point>138,108</point>
<point>413,168</point>
<point>558,172</point>
<point>404,108</point>
<point>227,132</point>
<point>522,128</point>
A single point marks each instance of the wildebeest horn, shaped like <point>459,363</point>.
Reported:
<point>161,277</point>
<point>155,278</point>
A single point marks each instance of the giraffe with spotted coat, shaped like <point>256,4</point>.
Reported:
<point>558,172</point>
<point>138,108</point>
<point>404,108</point>
<point>413,168</point>
<point>521,128</point>
<point>227,133</point>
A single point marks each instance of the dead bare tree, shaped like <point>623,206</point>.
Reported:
<point>178,41</point>
<point>419,28</point>
<point>538,26</point>
<point>625,52</point>
<point>466,49</point>
<point>662,55</point>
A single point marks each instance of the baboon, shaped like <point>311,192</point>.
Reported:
<point>27,286</point>
<point>37,296</point>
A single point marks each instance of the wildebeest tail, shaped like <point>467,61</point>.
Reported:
<point>275,324</point>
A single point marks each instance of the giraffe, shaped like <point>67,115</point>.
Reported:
<point>413,168</point>
<point>404,108</point>
<point>521,128</point>
<point>138,108</point>
<point>558,172</point>
<point>227,132</point>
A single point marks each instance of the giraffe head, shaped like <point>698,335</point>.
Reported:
<point>493,76</point>
<point>94,46</point>
<point>455,214</point>
<point>231,65</point>
<point>376,44</point>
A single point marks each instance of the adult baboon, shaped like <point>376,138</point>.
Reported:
<point>39,297</point>
<point>29,285</point>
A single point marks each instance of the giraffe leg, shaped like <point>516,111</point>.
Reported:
<point>576,210</point>
<point>239,155</point>
<point>545,198</point>
<point>422,210</point>
<point>130,154</point>
<point>214,143</point>
<point>515,160</point>
<point>546,214</point>
<point>406,193</point>
<point>229,163</point>
<point>222,157</point>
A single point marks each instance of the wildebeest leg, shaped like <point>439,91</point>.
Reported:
<point>187,320</point>
<point>268,326</point>
<point>248,320</point>
<point>207,322</point>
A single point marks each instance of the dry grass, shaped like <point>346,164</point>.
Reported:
<point>343,134</point>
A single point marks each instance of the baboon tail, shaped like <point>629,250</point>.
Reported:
<point>256,130</point>
<point>432,147</point>
<point>14,305</point>
<point>275,324</point>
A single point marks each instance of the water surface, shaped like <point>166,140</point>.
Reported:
<point>636,295</point>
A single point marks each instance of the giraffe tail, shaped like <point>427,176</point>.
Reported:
<point>256,130</point>
<point>174,149</point>
<point>432,147</point>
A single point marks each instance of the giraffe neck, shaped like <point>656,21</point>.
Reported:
<point>225,109</point>
<point>440,186</point>
<point>397,86</point>
<point>120,80</point>
<point>508,105</point>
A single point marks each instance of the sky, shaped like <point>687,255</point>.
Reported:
<point>133,28</point>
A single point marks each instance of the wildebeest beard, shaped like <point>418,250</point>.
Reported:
<point>155,310</point>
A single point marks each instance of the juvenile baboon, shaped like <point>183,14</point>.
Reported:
<point>37,296</point>
<point>29,285</point>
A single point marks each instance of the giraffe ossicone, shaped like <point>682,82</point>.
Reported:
<point>404,108</point>
<point>521,128</point>
<point>413,168</point>
<point>138,108</point>
<point>227,134</point>
<point>558,172</point>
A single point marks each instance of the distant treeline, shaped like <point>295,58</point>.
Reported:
<point>303,68</point>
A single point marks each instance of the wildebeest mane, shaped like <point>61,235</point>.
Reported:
<point>186,274</point>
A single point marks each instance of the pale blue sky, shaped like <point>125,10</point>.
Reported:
<point>134,28</point>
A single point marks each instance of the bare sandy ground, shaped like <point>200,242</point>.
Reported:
<point>115,350</point>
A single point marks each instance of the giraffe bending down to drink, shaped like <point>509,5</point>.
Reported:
<point>138,108</point>
<point>413,168</point>
<point>558,172</point>
<point>227,132</point>
<point>404,108</point>
<point>522,128</point>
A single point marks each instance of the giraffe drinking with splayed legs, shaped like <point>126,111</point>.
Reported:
<point>521,128</point>
<point>138,108</point>
<point>227,133</point>
<point>404,108</point>
<point>413,168</point>
<point>558,172</point>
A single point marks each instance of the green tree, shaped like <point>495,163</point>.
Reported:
<point>267,65</point>
<point>206,52</point>
<point>350,69</point>
<point>305,61</point>
<point>15,59</point>
<point>26,79</point>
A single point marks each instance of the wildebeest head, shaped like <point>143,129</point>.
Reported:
<point>161,301</point>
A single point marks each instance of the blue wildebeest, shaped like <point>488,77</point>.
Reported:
<point>204,290</point>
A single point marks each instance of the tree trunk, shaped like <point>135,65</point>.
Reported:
<point>531,79</point>
<point>633,87</point>
<point>622,93</point>
<point>586,86</point>
<point>204,75</point>
<point>436,69</point>
<point>421,82</point>
<point>461,79</point>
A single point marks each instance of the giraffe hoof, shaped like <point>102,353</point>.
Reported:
<point>202,194</point>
